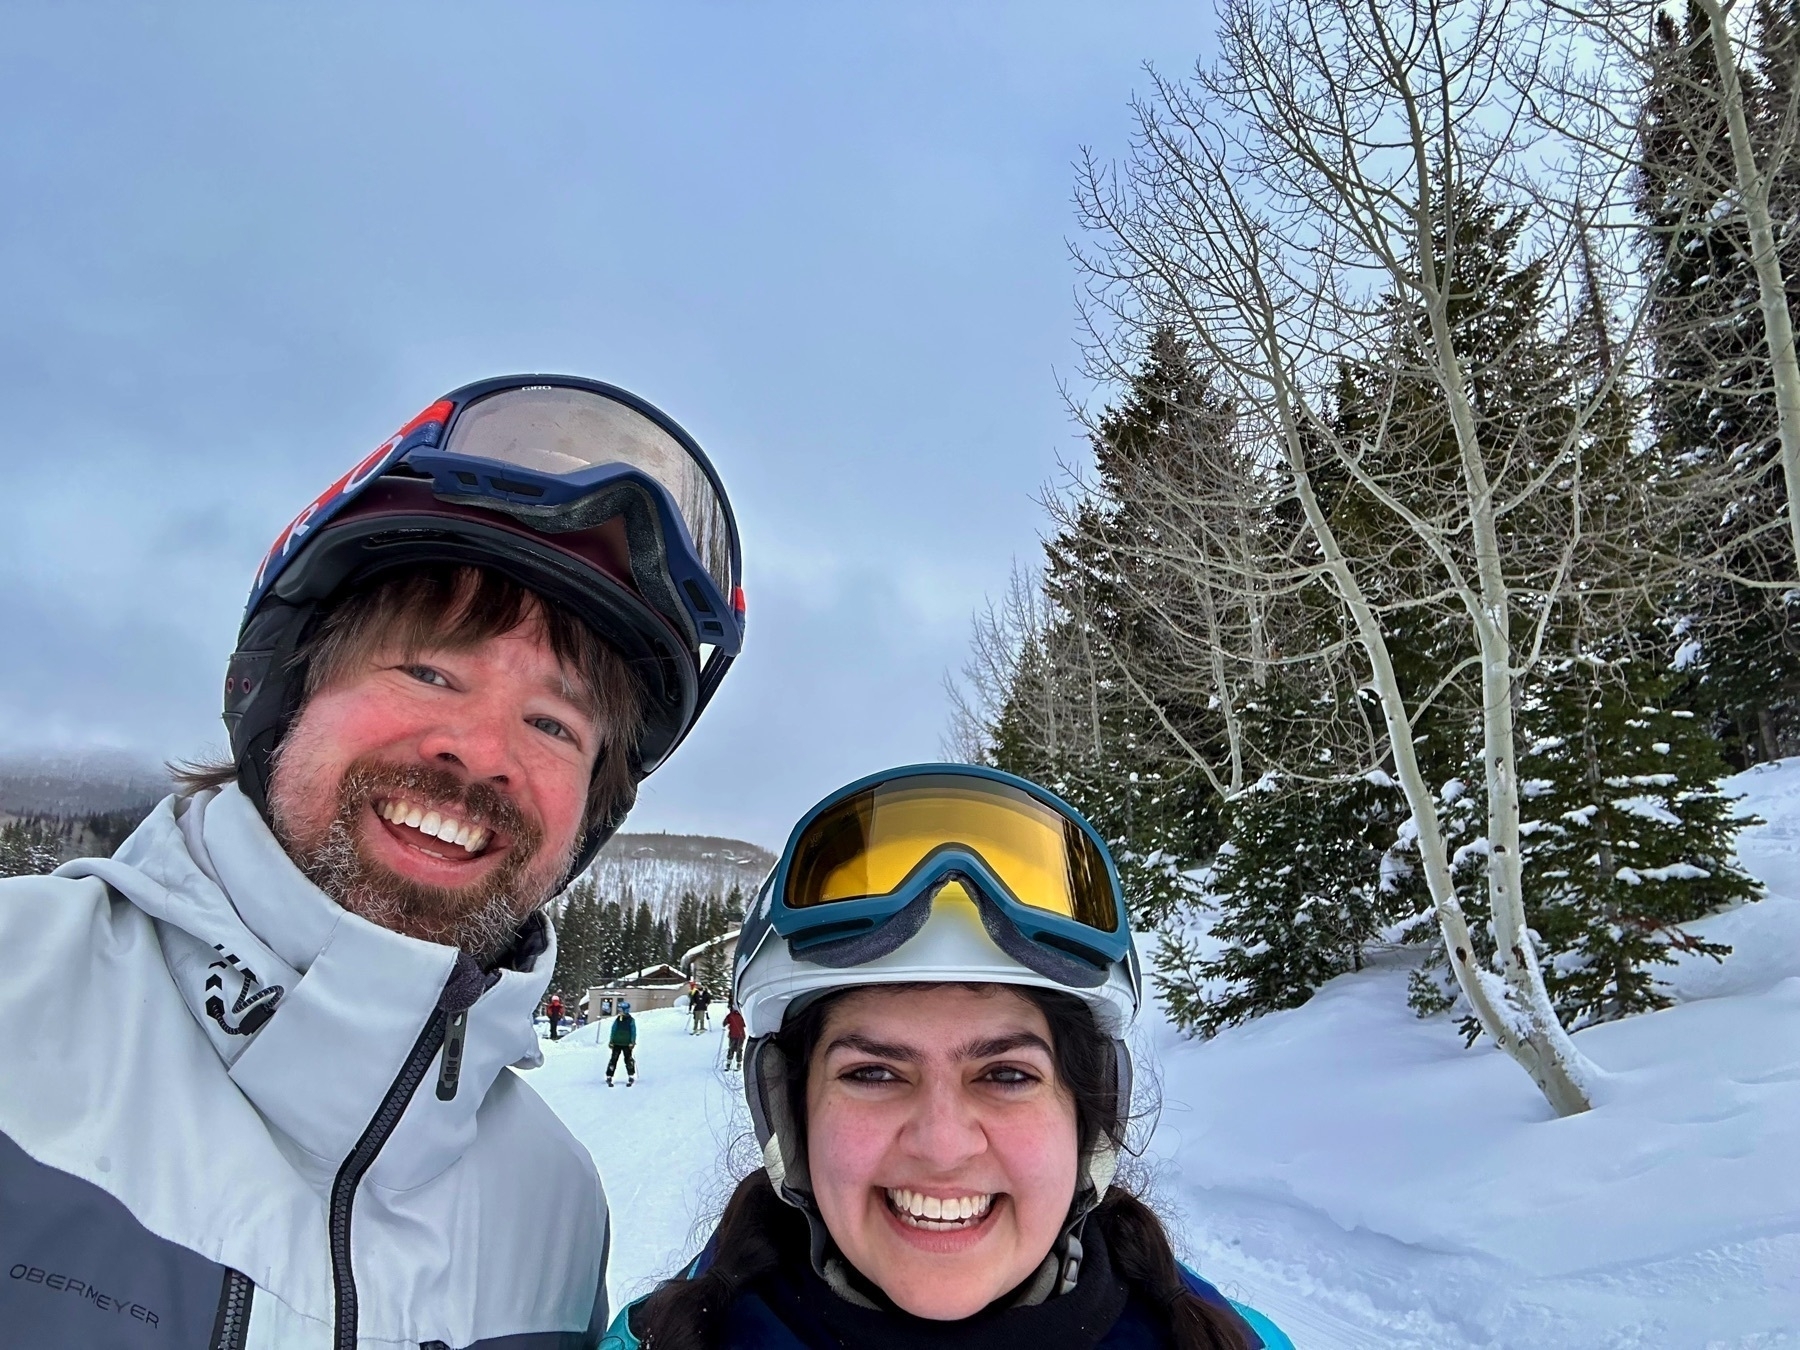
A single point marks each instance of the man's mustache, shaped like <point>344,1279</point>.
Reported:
<point>475,802</point>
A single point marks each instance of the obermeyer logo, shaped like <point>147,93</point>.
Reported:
<point>327,502</point>
<point>68,1284</point>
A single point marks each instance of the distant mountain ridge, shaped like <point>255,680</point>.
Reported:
<point>660,868</point>
<point>693,848</point>
<point>98,782</point>
<point>99,796</point>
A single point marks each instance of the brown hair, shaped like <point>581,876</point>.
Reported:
<point>453,608</point>
<point>758,1227</point>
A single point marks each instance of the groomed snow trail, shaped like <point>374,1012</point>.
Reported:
<point>661,1146</point>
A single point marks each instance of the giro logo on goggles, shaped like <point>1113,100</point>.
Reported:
<point>328,502</point>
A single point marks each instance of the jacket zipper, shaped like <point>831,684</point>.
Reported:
<point>445,1029</point>
<point>233,1321</point>
<point>343,1186</point>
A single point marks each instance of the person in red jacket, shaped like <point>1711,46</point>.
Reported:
<point>734,1038</point>
<point>553,1010</point>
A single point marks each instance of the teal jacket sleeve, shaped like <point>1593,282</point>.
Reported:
<point>1273,1337</point>
<point>618,1335</point>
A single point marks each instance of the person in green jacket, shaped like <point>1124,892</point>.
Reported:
<point>623,1040</point>
<point>938,979</point>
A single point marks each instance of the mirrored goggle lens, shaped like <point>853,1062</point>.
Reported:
<point>563,432</point>
<point>868,844</point>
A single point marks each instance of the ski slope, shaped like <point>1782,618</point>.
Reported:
<point>1367,1181</point>
<point>662,1146</point>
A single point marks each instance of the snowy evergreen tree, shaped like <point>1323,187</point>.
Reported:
<point>1627,835</point>
<point>1712,404</point>
<point>29,848</point>
<point>609,943</point>
<point>1300,891</point>
<point>577,943</point>
<point>689,914</point>
<point>647,940</point>
<point>1072,721</point>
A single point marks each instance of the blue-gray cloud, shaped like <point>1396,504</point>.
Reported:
<point>238,244</point>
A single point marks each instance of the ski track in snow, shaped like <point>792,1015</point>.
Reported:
<point>1364,1180</point>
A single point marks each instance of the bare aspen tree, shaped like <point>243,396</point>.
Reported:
<point>1696,57</point>
<point>1757,169</point>
<point>1304,208</point>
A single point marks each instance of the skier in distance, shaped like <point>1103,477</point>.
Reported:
<point>734,1038</point>
<point>622,1040</point>
<point>455,666</point>
<point>938,978</point>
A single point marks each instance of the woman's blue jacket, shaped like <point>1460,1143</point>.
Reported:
<point>753,1325</point>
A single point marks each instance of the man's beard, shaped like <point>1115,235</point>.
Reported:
<point>482,918</point>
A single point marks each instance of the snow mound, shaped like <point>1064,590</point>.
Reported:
<point>1367,1181</point>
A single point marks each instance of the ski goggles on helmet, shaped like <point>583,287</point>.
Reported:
<point>564,456</point>
<point>861,871</point>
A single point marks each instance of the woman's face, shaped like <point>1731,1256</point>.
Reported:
<point>943,1150</point>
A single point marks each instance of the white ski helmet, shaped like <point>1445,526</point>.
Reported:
<point>932,873</point>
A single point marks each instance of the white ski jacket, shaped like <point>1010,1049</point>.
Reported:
<point>234,1115</point>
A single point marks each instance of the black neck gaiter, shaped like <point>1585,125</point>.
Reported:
<point>1077,1320</point>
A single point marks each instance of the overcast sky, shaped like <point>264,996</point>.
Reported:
<point>240,243</point>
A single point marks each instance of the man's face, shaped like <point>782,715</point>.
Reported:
<point>490,745</point>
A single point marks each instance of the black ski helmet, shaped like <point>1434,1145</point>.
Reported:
<point>583,493</point>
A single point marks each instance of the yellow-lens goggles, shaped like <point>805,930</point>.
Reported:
<point>869,844</point>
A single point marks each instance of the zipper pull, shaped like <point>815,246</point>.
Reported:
<point>455,1031</point>
<point>466,983</point>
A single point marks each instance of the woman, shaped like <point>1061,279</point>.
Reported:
<point>937,979</point>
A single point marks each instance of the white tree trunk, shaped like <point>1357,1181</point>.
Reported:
<point>1754,185</point>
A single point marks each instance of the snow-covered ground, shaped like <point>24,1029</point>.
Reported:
<point>663,1146</point>
<point>1367,1181</point>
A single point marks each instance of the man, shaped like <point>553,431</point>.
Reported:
<point>623,1041</point>
<point>554,1010</point>
<point>454,669</point>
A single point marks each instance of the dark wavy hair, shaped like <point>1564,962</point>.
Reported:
<point>758,1228</point>
<point>447,607</point>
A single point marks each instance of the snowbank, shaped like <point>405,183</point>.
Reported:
<point>1368,1181</point>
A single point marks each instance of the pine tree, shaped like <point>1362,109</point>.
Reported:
<point>1300,892</point>
<point>640,941</point>
<point>1069,723</point>
<point>1302,885</point>
<point>29,848</point>
<point>1712,406</point>
<point>577,944</point>
<point>688,925</point>
<point>1627,835</point>
<point>609,942</point>
<point>1521,391</point>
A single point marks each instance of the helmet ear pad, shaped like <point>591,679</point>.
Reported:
<point>766,1091</point>
<point>264,687</point>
